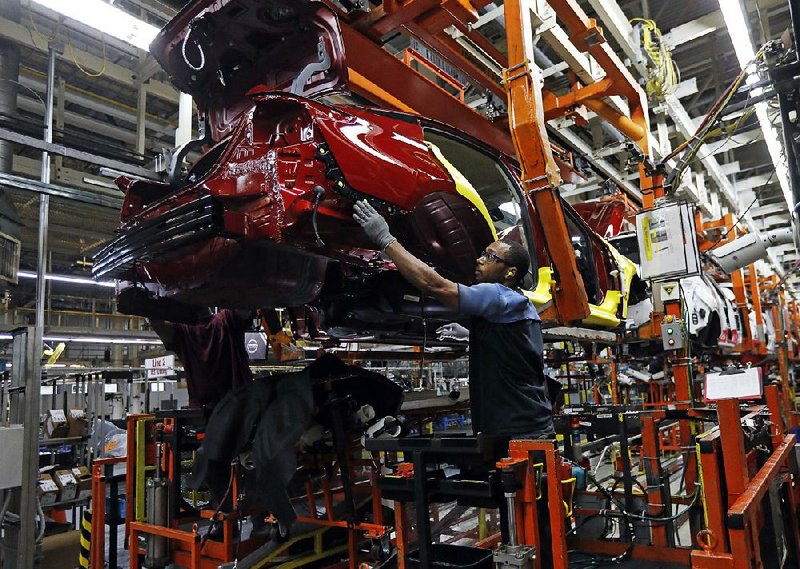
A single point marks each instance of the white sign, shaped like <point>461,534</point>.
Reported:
<point>160,367</point>
<point>743,384</point>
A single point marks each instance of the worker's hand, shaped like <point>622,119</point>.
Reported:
<point>373,224</point>
<point>453,331</point>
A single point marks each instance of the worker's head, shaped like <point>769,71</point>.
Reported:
<point>504,262</point>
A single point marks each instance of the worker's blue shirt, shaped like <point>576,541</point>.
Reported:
<point>508,391</point>
<point>496,303</point>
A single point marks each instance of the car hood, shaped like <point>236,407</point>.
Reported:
<point>222,51</point>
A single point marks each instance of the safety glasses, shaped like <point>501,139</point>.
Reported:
<point>492,257</point>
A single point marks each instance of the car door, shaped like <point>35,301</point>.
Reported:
<point>488,182</point>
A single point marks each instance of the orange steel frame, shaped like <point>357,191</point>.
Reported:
<point>187,547</point>
<point>385,80</point>
<point>733,492</point>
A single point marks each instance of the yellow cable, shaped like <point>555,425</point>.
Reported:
<point>78,65</point>
<point>48,39</point>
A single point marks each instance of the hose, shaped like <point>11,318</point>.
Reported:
<point>319,192</point>
<point>42,522</point>
<point>199,49</point>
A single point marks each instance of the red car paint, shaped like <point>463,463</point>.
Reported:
<point>604,217</point>
<point>239,230</point>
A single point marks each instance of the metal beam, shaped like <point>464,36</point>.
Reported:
<point>753,182</point>
<point>36,41</point>
<point>30,167</point>
<point>543,19</point>
<point>61,150</point>
<point>560,129</point>
<point>730,168</point>
<point>685,88</point>
<point>29,78</point>
<point>694,29</point>
<point>89,124</point>
<point>18,182</point>
<point>769,210</point>
<point>737,141</point>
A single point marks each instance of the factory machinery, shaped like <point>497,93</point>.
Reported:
<point>658,436</point>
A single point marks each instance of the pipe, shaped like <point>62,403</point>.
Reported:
<point>541,59</point>
<point>624,124</point>
<point>44,202</point>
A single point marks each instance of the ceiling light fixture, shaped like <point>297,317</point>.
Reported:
<point>106,18</point>
<point>94,340</point>
<point>736,22</point>
<point>67,279</point>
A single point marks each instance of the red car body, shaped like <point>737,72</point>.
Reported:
<point>263,219</point>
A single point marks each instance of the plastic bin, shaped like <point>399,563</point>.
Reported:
<point>445,556</point>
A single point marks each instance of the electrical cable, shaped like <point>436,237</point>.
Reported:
<point>49,38</point>
<point>32,91</point>
<point>691,146</point>
<point>663,74</point>
<point>86,72</point>
<point>625,514</point>
<point>199,49</point>
<point>214,519</point>
<point>741,216</point>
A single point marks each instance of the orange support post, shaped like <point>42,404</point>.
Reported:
<point>522,450</point>
<point>651,456</point>
<point>732,440</point>
<point>773,396</point>
<point>540,174</point>
<point>715,537</point>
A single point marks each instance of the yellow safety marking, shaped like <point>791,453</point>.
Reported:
<point>569,482</point>
<point>541,295</point>
<point>648,244</point>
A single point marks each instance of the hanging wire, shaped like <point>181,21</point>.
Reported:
<point>78,65</point>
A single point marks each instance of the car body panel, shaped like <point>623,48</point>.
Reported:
<point>221,51</point>
<point>264,218</point>
<point>604,217</point>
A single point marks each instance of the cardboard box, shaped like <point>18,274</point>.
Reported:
<point>55,425</point>
<point>48,490</point>
<point>78,424</point>
<point>67,486</point>
<point>84,479</point>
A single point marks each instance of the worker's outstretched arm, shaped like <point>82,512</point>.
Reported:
<point>415,271</point>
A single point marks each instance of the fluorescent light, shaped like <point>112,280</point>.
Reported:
<point>736,22</point>
<point>94,340</point>
<point>105,18</point>
<point>67,279</point>
<point>99,183</point>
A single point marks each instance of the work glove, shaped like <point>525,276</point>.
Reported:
<point>373,224</point>
<point>453,331</point>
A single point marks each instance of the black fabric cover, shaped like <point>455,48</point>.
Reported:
<point>268,416</point>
